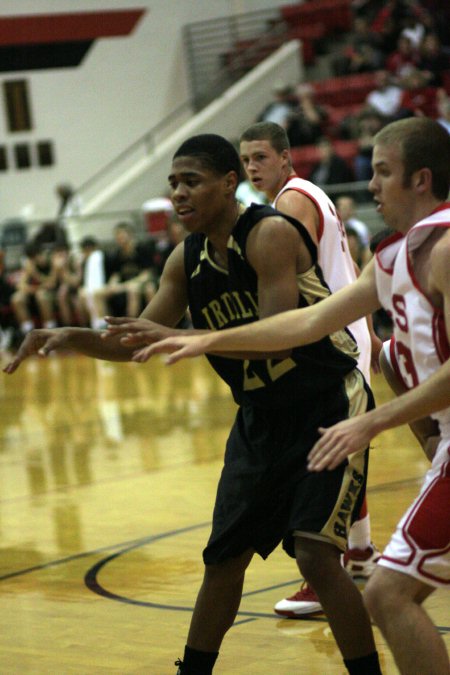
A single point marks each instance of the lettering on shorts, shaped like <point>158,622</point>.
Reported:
<point>341,524</point>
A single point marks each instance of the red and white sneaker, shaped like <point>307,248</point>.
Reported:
<point>302,603</point>
<point>360,563</point>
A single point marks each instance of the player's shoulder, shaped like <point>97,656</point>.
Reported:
<point>439,257</point>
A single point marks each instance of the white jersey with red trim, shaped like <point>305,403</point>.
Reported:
<point>420,343</point>
<point>334,256</point>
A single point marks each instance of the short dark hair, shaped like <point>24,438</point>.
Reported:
<point>267,131</point>
<point>213,151</point>
<point>424,144</point>
<point>88,242</point>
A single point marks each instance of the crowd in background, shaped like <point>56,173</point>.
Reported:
<point>405,43</point>
<point>59,284</point>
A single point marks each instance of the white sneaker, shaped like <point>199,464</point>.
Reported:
<point>304,602</point>
<point>361,563</point>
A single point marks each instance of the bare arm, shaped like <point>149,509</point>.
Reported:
<point>299,206</point>
<point>275,250</point>
<point>429,397</point>
<point>289,329</point>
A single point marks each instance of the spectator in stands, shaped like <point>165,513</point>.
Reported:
<point>131,277</point>
<point>331,168</point>
<point>346,208</point>
<point>362,54</point>
<point>35,294</point>
<point>164,246</point>
<point>369,123</point>
<point>403,60</point>
<point>385,98</point>
<point>433,61</point>
<point>280,109</point>
<point>67,271</point>
<point>93,269</point>
<point>306,124</point>
<point>358,234</point>
<point>7,320</point>
<point>418,99</point>
<point>68,202</point>
<point>50,233</point>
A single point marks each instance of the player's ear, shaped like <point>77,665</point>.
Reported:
<point>231,181</point>
<point>423,180</point>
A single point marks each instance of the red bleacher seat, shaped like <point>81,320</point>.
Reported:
<point>334,15</point>
<point>344,90</point>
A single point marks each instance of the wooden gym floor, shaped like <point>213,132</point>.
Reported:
<point>107,482</point>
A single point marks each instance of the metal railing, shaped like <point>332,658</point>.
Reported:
<point>206,45</point>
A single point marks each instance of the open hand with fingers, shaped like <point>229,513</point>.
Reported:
<point>136,332</point>
<point>40,341</point>
<point>177,346</point>
<point>339,441</point>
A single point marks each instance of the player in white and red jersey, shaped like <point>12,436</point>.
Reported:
<point>411,277</point>
<point>265,155</point>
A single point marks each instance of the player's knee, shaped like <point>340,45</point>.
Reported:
<point>380,596</point>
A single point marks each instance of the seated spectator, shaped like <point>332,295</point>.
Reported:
<point>362,54</point>
<point>51,233</point>
<point>433,61</point>
<point>93,271</point>
<point>346,208</point>
<point>418,99</point>
<point>403,60</point>
<point>165,245</point>
<point>306,124</point>
<point>385,98</point>
<point>369,123</point>
<point>69,203</point>
<point>35,294</point>
<point>331,168</point>
<point>67,272</point>
<point>283,104</point>
<point>131,277</point>
<point>7,320</point>
<point>358,234</point>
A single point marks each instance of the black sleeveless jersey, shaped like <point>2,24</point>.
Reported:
<point>220,298</point>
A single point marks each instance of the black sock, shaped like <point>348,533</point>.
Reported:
<point>198,663</point>
<point>364,665</point>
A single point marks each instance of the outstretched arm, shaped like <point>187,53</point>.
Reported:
<point>431,396</point>
<point>163,312</point>
<point>283,331</point>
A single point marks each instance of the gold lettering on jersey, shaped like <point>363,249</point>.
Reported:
<point>228,302</point>
<point>252,301</point>
<point>279,368</point>
<point>341,524</point>
<point>273,370</point>
<point>219,312</point>
<point>251,380</point>
<point>219,316</point>
<point>245,312</point>
<point>208,319</point>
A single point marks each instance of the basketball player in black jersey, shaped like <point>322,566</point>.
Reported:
<point>235,267</point>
